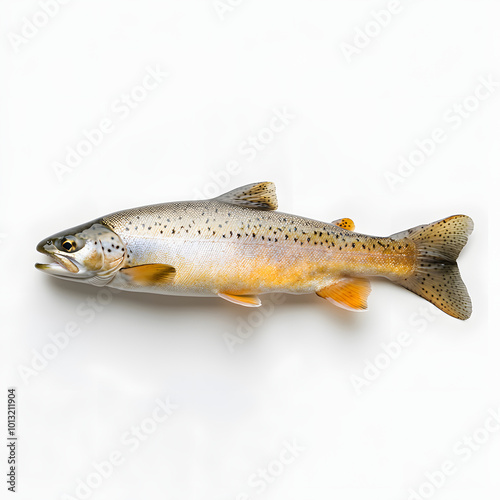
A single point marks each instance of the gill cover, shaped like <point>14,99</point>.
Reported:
<point>92,253</point>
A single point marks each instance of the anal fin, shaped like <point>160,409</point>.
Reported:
<point>348,293</point>
<point>344,224</point>
<point>242,300</point>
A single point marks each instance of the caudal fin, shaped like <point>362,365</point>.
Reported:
<point>436,276</point>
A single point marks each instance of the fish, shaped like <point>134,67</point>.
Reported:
<point>237,246</point>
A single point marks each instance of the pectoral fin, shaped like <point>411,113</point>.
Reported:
<point>348,293</point>
<point>242,300</point>
<point>150,274</point>
<point>344,224</point>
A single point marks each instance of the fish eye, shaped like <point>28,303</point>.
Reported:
<point>68,245</point>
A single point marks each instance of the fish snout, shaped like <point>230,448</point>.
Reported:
<point>45,246</point>
<point>61,264</point>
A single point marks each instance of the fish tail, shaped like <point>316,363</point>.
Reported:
<point>436,276</point>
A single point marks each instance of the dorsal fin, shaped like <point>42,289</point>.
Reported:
<point>259,195</point>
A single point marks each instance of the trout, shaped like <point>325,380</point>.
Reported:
<point>237,246</point>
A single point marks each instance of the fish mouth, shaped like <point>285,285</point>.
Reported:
<point>61,265</point>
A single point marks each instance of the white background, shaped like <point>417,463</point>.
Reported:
<point>291,379</point>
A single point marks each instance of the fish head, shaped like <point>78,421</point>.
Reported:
<point>91,253</point>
